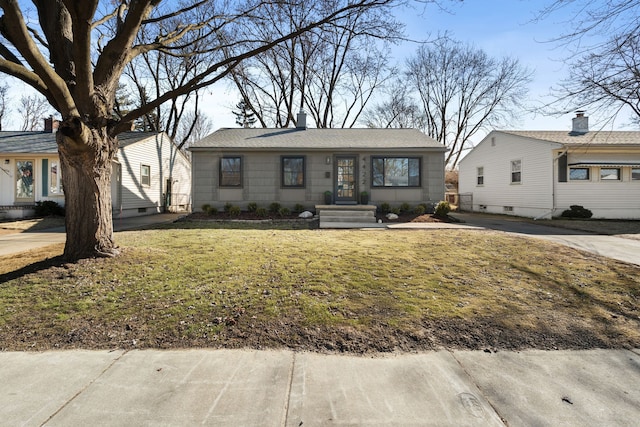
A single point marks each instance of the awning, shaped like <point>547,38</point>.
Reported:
<point>605,164</point>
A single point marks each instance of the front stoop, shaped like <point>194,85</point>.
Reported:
<point>347,216</point>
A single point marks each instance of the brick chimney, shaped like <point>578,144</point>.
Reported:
<point>580,123</point>
<point>301,120</point>
<point>51,125</point>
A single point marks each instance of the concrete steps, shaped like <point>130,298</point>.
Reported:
<point>347,216</point>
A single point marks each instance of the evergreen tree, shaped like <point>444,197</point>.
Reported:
<point>245,117</point>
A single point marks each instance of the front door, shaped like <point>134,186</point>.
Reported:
<point>24,181</point>
<point>346,173</point>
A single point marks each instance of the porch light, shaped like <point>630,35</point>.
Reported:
<point>328,160</point>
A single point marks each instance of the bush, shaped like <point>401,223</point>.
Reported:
<point>208,209</point>
<point>396,211</point>
<point>576,211</point>
<point>442,210</point>
<point>284,212</point>
<point>429,208</point>
<point>252,207</point>
<point>419,210</point>
<point>385,208</point>
<point>405,207</point>
<point>234,211</point>
<point>298,208</point>
<point>48,208</point>
<point>262,212</point>
<point>275,207</point>
<point>227,207</point>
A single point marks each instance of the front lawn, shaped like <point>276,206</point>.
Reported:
<point>326,290</point>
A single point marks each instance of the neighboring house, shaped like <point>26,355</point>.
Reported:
<point>150,174</point>
<point>298,165</point>
<point>540,174</point>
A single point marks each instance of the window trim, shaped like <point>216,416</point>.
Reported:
<point>418,158</point>
<point>618,179</point>
<point>304,171</point>
<point>518,172</point>
<point>142,175</point>
<point>241,181</point>
<point>480,176</point>
<point>588,178</point>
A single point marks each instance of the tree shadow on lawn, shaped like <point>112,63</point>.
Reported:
<point>35,267</point>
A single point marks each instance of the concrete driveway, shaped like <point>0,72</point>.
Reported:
<point>618,248</point>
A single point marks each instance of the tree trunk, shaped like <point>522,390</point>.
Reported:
<point>86,154</point>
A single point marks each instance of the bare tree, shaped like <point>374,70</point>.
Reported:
<point>332,73</point>
<point>604,64</point>
<point>33,109</point>
<point>75,57</point>
<point>462,91</point>
<point>194,126</point>
<point>398,110</point>
<point>4,102</point>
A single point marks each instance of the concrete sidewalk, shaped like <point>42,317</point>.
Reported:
<point>28,240</point>
<point>284,388</point>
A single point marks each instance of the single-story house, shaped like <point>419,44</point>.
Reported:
<point>299,165</point>
<point>150,175</point>
<point>540,174</point>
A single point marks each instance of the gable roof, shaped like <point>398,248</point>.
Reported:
<point>45,142</point>
<point>316,139</point>
<point>606,138</point>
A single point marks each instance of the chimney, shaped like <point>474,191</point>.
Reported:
<point>580,123</point>
<point>301,120</point>
<point>51,125</point>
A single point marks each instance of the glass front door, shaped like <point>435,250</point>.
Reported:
<point>346,174</point>
<point>24,181</point>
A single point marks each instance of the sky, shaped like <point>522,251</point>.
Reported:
<point>499,27</point>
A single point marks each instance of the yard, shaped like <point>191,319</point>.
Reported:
<point>205,285</point>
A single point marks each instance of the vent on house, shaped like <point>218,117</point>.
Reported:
<point>482,207</point>
<point>493,141</point>
<point>508,208</point>
<point>142,210</point>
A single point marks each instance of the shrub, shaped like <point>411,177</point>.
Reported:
<point>442,210</point>
<point>262,212</point>
<point>252,207</point>
<point>385,208</point>
<point>576,211</point>
<point>206,207</point>
<point>298,208</point>
<point>48,208</point>
<point>284,212</point>
<point>396,211</point>
<point>274,207</point>
<point>234,211</point>
<point>419,210</point>
<point>227,207</point>
<point>429,208</point>
<point>405,207</point>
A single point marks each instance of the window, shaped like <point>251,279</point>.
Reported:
<point>231,172</point>
<point>480,174</point>
<point>24,180</point>
<point>293,171</point>
<point>610,174</point>
<point>145,175</point>
<point>516,171</point>
<point>635,174</point>
<point>579,174</point>
<point>395,171</point>
<point>55,178</point>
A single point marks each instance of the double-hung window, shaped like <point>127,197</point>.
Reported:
<point>231,171</point>
<point>516,171</point>
<point>145,175</point>
<point>55,178</point>
<point>293,171</point>
<point>395,171</point>
<point>480,176</point>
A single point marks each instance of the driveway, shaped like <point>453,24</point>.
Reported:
<point>618,248</point>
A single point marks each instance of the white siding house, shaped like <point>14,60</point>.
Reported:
<point>540,174</point>
<point>150,174</point>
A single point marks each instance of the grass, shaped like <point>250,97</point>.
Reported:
<point>320,289</point>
